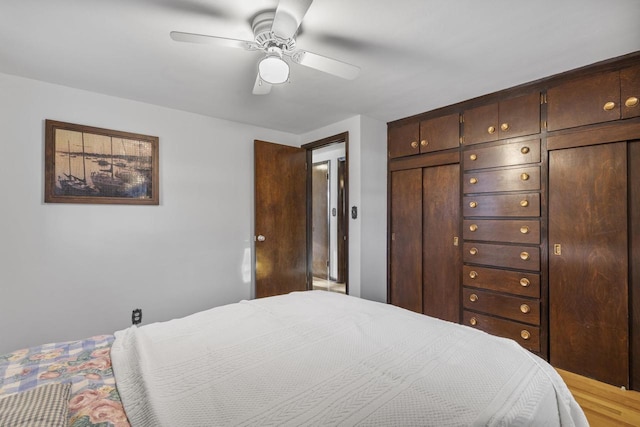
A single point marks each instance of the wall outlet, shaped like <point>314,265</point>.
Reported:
<point>136,316</point>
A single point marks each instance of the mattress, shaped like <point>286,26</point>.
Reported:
<point>320,358</point>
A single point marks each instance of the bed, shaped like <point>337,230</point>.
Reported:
<point>306,358</point>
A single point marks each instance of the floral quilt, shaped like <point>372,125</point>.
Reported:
<point>86,364</point>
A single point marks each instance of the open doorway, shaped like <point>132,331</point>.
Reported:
<point>327,212</point>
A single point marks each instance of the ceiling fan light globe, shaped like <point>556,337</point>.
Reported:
<point>273,70</point>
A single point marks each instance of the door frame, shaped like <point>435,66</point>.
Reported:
<point>309,147</point>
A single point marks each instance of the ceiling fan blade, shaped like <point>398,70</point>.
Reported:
<point>288,17</point>
<point>325,64</point>
<point>261,87</point>
<point>220,41</point>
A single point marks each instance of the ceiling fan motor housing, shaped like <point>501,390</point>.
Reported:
<point>266,38</point>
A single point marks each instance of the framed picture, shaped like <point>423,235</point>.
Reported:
<point>85,164</point>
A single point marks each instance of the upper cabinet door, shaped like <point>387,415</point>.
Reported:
<point>440,133</point>
<point>510,118</point>
<point>630,92</point>
<point>520,116</point>
<point>404,140</point>
<point>481,124</point>
<point>580,102</point>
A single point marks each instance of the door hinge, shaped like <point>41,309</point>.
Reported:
<point>461,140</point>
<point>461,118</point>
<point>327,176</point>
<point>544,124</point>
<point>456,241</point>
<point>393,236</point>
<point>557,249</point>
<point>543,98</point>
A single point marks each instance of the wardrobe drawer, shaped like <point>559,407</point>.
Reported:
<point>514,179</point>
<point>502,230</point>
<point>512,307</point>
<point>513,282</point>
<point>508,205</point>
<point>502,155</point>
<point>518,257</point>
<point>526,335</point>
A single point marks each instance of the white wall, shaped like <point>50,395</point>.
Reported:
<point>367,173</point>
<point>71,271</point>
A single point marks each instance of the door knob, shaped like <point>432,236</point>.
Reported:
<point>261,238</point>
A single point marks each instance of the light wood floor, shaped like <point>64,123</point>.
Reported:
<point>604,404</point>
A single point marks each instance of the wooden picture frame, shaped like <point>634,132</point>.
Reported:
<point>85,164</point>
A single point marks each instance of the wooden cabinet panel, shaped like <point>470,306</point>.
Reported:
<point>442,259</point>
<point>527,336</point>
<point>406,239</point>
<point>520,116</point>
<point>481,124</point>
<point>502,305</point>
<point>403,140</point>
<point>513,282</point>
<point>440,133</point>
<point>510,118</point>
<point>584,101</point>
<point>634,258</point>
<point>630,92</point>
<point>588,271</point>
<point>514,231</point>
<point>502,155</point>
<point>515,179</point>
<point>518,257</point>
<point>504,205</point>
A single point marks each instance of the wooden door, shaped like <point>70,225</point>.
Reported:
<point>520,116</point>
<point>630,92</point>
<point>441,254</point>
<point>406,239</point>
<point>440,133</point>
<point>634,258</point>
<point>403,140</point>
<point>481,124</point>
<point>320,219</point>
<point>280,219</point>
<point>588,262</point>
<point>584,101</point>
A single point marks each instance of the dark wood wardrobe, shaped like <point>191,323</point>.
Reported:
<point>518,213</point>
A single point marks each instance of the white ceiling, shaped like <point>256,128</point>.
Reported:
<point>415,55</point>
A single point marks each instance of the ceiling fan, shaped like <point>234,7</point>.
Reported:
<point>274,34</point>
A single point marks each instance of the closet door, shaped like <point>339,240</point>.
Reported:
<point>441,253</point>
<point>588,262</point>
<point>406,239</point>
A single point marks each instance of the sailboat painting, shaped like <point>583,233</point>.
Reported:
<point>85,164</point>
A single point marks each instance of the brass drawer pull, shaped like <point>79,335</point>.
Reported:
<point>525,308</point>
<point>524,177</point>
<point>524,203</point>
<point>524,282</point>
<point>473,205</point>
<point>473,274</point>
<point>631,101</point>
<point>491,130</point>
<point>414,144</point>
<point>504,127</point>
<point>473,321</point>
<point>609,106</point>
<point>473,227</point>
<point>473,157</point>
<point>473,251</point>
<point>473,297</point>
<point>424,142</point>
<point>524,150</point>
<point>525,334</point>
<point>524,229</point>
<point>524,256</point>
<point>473,181</point>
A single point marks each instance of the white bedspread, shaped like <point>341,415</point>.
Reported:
<point>320,358</point>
